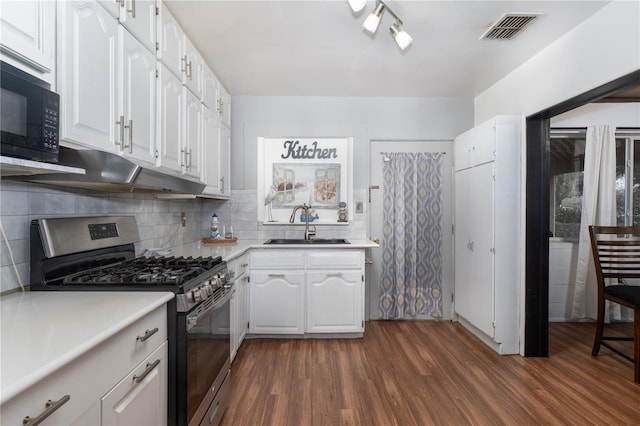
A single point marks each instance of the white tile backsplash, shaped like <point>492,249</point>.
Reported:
<point>159,220</point>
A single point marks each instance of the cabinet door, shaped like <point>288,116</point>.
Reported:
<point>224,160</point>
<point>193,74</point>
<point>139,99</point>
<point>170,42</point>
<point>211,151</point>
<point>277,303</point>
<point>209,88</point>
<point>192,140</point>
<point>243,308</point>
<point>139,18</point>
<point>334,302</point>
<point>27,32</point>
<point>474,256</point>
<point>482,223</point>
<point>224,105</point>
<point>170,120</point>
<point>234,335</point>
<point>87,71</point>
<point>141,397</point>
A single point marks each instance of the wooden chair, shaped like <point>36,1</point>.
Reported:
<point>616,254</point>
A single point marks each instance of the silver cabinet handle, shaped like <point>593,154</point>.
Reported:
<point>190,155</point>
<point>51,407</point>
<point>222,184</point>
<point>276,275</point>
<point>183,158</point>
<point>214,412</point>
<point>146,335</point>
<point>120,2</point>
<point>184,65</point>
<point>150,367</point>
<point>130,127</point>
<point>334,274</point>
<point>244,265</point>
<point>189,70</point>
<point>133,9</point>
<point>122,126</point>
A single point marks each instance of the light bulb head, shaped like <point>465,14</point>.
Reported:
<point>357,5</point>
<point>373,20</point>
<point>402,38</point>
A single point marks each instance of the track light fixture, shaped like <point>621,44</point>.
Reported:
<point>371,23</point>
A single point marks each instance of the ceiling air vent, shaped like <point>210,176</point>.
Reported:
<point>509,26</point>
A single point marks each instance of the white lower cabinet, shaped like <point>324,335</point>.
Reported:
<point>334,302</point>
<point>295,291</point>
<point>277,302</point>
<point>98,387</point>
<point>141,397</point>
<point>239,302</point>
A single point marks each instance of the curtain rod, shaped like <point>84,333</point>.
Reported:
<point>568,132</point>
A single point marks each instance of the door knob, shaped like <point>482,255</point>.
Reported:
<point>376,240</point>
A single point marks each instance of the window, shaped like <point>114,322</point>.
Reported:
<point>566,180</point>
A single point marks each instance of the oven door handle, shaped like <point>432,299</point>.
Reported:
<point>208,308</point>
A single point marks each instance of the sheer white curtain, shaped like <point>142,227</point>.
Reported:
<point>598,208</point>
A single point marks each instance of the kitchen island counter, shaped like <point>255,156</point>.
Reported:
<point>44,331</point>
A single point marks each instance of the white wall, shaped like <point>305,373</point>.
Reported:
<point>604,47</point>
<point>363,118</point>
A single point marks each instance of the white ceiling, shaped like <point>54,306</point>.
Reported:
<point>318,48</point>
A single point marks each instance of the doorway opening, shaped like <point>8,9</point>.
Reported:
<point>537,211</point>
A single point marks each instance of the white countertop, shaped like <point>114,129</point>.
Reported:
<point>42,331</point>
<point>229,251</point>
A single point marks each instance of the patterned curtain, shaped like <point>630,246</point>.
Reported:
<point>412,235</point>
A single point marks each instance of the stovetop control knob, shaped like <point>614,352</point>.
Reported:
<point>207,287</point>
<point>197,297</point>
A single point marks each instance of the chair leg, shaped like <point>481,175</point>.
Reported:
<point>599,327</point>
<point>636,345</point>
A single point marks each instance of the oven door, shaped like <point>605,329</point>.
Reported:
<point>208,350</point>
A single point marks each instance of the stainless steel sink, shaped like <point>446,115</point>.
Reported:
<point>315,241</point>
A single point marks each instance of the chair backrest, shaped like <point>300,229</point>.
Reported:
<point>616,251</point>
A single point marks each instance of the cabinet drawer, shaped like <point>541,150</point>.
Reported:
<point>239,265</point>
<point>89,376</point>
<point>335,259</point>
<point>277,259</point>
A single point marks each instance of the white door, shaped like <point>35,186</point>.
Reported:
<point>277,302</point>
<point>375,223</point>
<point>170,120</point>
<point>334,301</point>
<point>192,140</point>
<point>211,151</point>
<point>139,98</point>
<point>88,74</point>
<point>139,17</point>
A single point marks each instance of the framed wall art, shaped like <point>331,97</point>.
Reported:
<point>312,171</point>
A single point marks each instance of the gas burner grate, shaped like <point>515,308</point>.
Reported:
<point>152,270</point>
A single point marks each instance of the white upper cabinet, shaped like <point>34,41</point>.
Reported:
<point>210,86</point>
<point>170,42</point>
<point>88,66</point>
<point>193,68</point>
<point>27,33</point>
<point>224,105</point>
<point>107,83</point>
<point>192,140</point>
<point>170,120</point>
<point>211,151</point>
<point>224,160</point>
<point>137,16</point>
<point>137,120</point>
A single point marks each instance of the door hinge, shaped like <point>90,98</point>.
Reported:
<point>157,12</point>
<point>247,324</point>
<point>157,74</point>
<point>362,277</point>
<point>157,46</point>
<point>453,229</point>
<point>492,250</point>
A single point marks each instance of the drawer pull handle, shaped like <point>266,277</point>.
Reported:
<point>147,334</point>
<point>150,367</point>
<point>334,274</point>
<point>276,275</point>
<point>244,265</point>
<point>52,407</point>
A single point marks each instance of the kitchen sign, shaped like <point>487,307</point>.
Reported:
<point>313,171</point>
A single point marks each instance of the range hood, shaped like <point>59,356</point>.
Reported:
<point>105,171</point>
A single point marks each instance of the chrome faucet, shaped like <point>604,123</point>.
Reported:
<point>308,233</point>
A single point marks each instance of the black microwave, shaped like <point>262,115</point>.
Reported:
<point>29,116</point>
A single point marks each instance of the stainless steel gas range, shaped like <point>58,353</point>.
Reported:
<point>98,254</point>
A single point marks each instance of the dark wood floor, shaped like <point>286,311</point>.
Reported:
<point>429,373</point>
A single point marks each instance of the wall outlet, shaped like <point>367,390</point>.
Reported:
<point>360,207</point>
